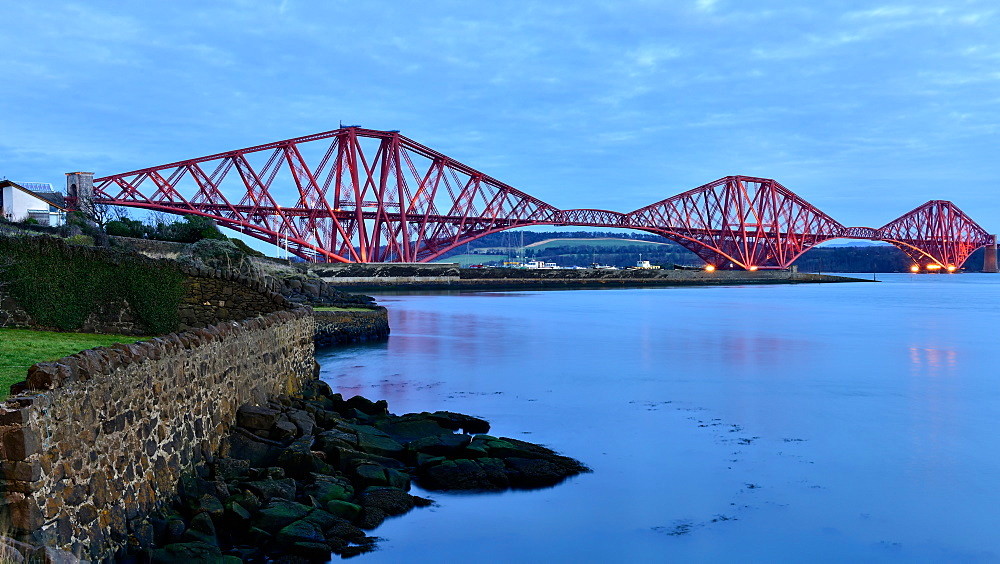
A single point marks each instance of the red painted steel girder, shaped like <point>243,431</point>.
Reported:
<point>859,233</point>
<point>589,217</point>
<point>936,233</point>
<point>363,195</point>
<point>739,222</point>
<point>360,196</point>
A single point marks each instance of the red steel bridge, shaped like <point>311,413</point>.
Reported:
<point>363,195</point>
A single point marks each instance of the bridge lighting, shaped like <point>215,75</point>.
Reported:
<point>752,269</point>
<point>942,230</point>
<point>914,269</point>
<point>709,268</point>
<point>951,268</point>
<point>933,267</point>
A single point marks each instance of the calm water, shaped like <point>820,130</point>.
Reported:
<point>811,423</point>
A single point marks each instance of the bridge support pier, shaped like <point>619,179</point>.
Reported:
<point>80,185</point>
<point>990,258</point>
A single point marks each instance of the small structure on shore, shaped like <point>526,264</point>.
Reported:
<point>32,200</point>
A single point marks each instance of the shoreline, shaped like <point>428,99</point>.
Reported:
<point>309,477</point>
<point>557,280</point>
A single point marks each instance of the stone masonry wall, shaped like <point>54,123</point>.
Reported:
<point>350,326</point>
<point>214,296</point>
<point>101,437</point>
<point>149,247</point>
<point>11,312</point>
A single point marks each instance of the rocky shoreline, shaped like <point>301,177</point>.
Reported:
<point>351,325</point>
<point>308,477</point>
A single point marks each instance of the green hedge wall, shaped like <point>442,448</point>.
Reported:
<point>59,285</point>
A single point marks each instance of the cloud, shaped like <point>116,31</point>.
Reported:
<point>651,56</point>
<point>706,5</point>
<point>600,93</point>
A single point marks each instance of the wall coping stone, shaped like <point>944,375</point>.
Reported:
<point>43,408</point>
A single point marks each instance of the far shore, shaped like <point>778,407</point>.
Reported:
<point>508,279</point>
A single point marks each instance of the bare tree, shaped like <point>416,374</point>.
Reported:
<point>161,218</point>
<point>102,213</point>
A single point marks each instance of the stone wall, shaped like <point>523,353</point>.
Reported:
<point>101,437</point>
<point>213,296</point>
<point>149,247</point>
<point>351,325</point>
<point>11,312</point>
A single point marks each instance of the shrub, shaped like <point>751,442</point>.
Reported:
<point>194,228</point>
<point>219,254</point>
<point>78,221</point>
<point>244,248</point>
<point>59,285</point>
<point>84,240</point>
<point>126,227</point>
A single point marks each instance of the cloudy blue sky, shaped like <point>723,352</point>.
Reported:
<point>866,109</point>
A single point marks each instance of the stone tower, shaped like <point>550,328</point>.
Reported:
<point>990,258</point>
<point>80,185</point>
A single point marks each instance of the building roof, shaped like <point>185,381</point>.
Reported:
<point>51,197</point>
<point>54,198</point>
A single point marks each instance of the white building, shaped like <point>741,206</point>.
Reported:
<point>32,200</point>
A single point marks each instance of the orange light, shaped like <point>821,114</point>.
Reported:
<point>753,269</point>
<point>933,267</point>
<point>709,268</point>
<point>914,268</point>
<point>951,268</point>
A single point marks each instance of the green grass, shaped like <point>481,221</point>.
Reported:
<point>466,260</point>
<point>341,309</point>
<point>20,348</point>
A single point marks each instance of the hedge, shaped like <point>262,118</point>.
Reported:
<point>60,285</point>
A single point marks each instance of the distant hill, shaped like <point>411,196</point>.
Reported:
<point>596,242</point>
<point>464,260</point>
<point>582,248</point>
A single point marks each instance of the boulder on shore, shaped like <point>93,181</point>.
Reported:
<point>305,477</point>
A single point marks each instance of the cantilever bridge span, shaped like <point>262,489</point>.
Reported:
<point>363,195</point>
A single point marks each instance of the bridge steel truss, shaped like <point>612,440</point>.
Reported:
<point>740,221</point>
<point>363,195</point>
<point>354,203</point>
<point>936,235</point>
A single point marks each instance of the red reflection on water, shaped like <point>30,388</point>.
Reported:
<point>744,349</point>
<point>933,360</point>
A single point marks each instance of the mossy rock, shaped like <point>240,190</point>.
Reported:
<point>280,514</point>
<point>186,552</point>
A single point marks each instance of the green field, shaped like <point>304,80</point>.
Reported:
<point>20,348</point>
<point>601,243</point>
<point>466,260</point>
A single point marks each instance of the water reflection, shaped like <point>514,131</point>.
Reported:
<point>933,361</point>
<point>862,414</point>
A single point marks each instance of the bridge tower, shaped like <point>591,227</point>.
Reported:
<point>990,258</point>
<point>80,185</point>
